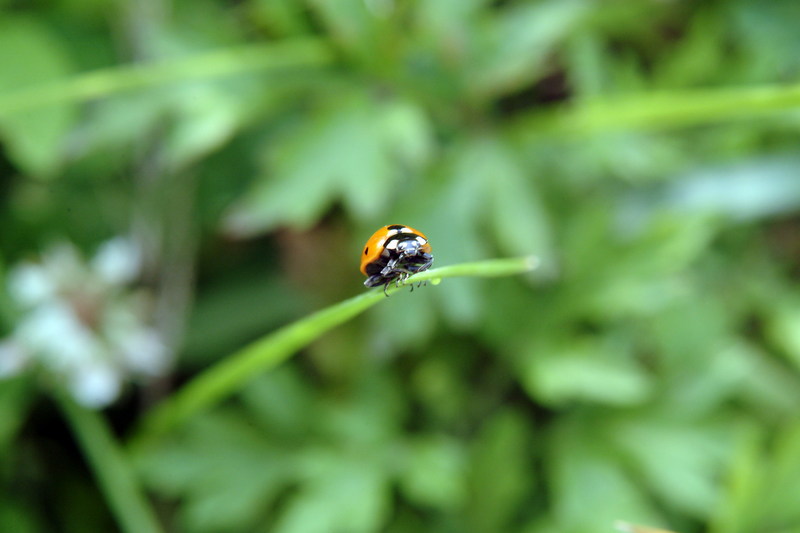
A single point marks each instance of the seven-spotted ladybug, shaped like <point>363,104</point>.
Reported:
<point>393,253</point>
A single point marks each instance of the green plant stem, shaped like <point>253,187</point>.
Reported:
<point>658,111</point>
<point>493,268</point>
<point>111,468</point>
<point>301,53</point>
<point>234,371</point>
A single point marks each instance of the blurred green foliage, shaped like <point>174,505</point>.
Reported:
<point>645,151</point>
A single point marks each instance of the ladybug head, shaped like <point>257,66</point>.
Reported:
<point>409,247</point>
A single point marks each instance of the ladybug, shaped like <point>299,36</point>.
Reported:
<point>393,253</point>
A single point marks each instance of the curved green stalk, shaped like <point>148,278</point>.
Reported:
<point>658,111</point>
<point>234,371</point>
<point>111,467</point>
<point>301,53</point>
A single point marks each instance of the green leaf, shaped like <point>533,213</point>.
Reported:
<point>782,479</point>
<point>344,494</point>
<point>783,327</point>
<point>349,21</point>
<point>29,55</point>
<point>439,386</point>
<point>284,17</point>
<point>282,402</point>
<point>519,41</point>
<point>748,190</point>
<point>762,483</point>
<point>227,471</point>
<point>502,472</point>
<point>766,33</point>
<point>370,417</point>
<point>679,461</point>
<point>588,369</point>
<point>207,117</point>
<point>230,472</point>
<point>590,488</point>
<point>408,133</point>
<point>488,182</point>
<point>434,472</point>
<point>417,315</point>
<point>518,217</point>
<point>587,65</point>
<point>744,483</point>
<point>704,44</point>
<point>449,12</point>
<point>343,153</point>
<point>766,384</point>
<point>645,275</point>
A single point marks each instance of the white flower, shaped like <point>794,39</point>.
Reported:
<point>144,352</point>
<point>95,385</point>
<point>30,284</point>
<point>64,265</point>
<point>118,261</point>
<point>55,333</point>
<point>82,323</point>
<point>139,347</point>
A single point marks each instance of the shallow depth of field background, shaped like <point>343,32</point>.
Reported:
<point>179,178</point>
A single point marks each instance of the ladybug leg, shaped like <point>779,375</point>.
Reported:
<point>406,275</point>
<point>427,264</point>
<point>385,286</point>
<point>390,266</point>
<point>414,267</point>
<point>374,281</point>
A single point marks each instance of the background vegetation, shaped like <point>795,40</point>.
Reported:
<point>179,178</point>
